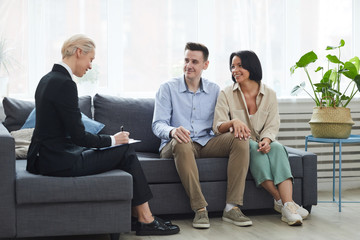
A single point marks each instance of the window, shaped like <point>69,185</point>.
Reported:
<point>140,43</point>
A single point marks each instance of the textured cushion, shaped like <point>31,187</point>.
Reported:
<point>17,111</point>
<point>31,188</point>
<point>22,139</point>
<point>134,114</point>
<point>91,126</point>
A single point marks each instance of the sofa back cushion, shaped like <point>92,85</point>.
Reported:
<point>16,111</point>
<point>134,114</point>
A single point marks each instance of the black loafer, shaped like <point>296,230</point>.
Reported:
<point>134,221</point>
<point>166,222</point>
<point>155,228</point>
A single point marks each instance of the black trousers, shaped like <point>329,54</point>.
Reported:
<point>122,157</point>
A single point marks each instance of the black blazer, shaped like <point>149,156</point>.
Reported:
<point>59,137</point>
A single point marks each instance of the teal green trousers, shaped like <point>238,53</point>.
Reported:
<point>273,166</point>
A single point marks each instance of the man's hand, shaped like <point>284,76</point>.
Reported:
<point>121,138</point>
<point>240,129</point>
<point>181,134</point>
<point>264,145</point>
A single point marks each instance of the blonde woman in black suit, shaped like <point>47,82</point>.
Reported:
<point>60,145</point>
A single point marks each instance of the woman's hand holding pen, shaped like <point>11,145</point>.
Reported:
<point>121,137</point>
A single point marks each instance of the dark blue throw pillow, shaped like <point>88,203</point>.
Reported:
<point>91,125</point>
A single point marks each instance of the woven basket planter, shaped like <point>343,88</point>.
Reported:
<point>331,122</point>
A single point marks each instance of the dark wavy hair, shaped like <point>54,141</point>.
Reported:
<point>198,47</point>
<point>250,62</point>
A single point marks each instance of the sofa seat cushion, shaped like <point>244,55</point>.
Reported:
<point>108,186</point>
<point>163,170</point>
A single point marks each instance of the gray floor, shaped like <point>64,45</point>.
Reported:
<point>325,222</point>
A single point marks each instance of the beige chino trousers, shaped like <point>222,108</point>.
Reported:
<point>224,145</point>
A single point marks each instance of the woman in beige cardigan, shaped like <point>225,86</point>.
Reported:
<point>249,109</point>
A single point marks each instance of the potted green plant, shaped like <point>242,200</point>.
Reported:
<point>331,118</point>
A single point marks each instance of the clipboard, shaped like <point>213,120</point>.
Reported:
<point>131,141</point>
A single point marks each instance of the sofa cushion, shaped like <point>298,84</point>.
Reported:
<point>163,170</point>
<point>17,111</point>
<point>22,139</point>
<point>134,114</point>
<point>108,186</point>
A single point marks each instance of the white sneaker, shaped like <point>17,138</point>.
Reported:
<point>301,211</point>
<point>289,214</point>
<point>278,206</point>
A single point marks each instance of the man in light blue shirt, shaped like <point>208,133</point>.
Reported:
<point>186,109</point>
<point>183,118</point>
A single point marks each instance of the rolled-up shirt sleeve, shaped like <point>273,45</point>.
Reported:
<point>162,113</point>
<point>221,114</point>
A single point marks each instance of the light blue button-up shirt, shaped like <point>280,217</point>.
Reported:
<point>176,106</point>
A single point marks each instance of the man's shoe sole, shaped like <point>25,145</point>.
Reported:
<point>201,225</point>
<point>241,224</point>
<point>159,233</point>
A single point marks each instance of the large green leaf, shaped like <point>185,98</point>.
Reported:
<point>356,62</point>
<point>322,85</point>
<point>326,76</point>
<point>333,59</point>
<point>306,59</point>
<point>341,44</point>
<point>351,70</point>
<point>333,75</point>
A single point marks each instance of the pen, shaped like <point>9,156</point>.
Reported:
<point>122,128</point>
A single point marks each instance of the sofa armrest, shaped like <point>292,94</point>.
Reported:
<point>7,184</point>
<point>309,176</point>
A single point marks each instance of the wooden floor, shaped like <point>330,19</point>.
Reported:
<point>325,222</point>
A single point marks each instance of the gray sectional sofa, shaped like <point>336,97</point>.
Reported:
<point>33,205</point>
<point>136,116</point>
